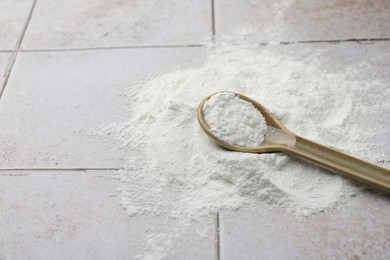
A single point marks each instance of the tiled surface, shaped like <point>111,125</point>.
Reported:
<point>359,231</point>
<point>81,24</point>
<point>76,215</point>
<point>302,20</point>
<point>51,97</point>
<point>13,17</point>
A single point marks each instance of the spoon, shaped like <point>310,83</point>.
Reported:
<point>279,139</point>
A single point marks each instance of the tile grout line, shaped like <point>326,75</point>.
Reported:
<point>217,239</point>
<point>15,52</point>
<point>357,40</point>
<point>60,169</point>
<point>197,45</point>
<point>113,48</point>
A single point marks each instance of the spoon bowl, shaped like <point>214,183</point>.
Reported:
<point>279,139</point>
<point>276,139</point>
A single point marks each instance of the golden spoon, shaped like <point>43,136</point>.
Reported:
<point>279,139</point>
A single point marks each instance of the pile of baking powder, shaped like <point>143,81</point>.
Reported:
<point>234,121</point>
<point>181,172</point>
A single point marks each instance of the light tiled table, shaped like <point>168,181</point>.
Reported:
<point>57,197</point>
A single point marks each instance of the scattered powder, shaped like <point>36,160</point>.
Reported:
<point>181,172</point>
<point>234,121</point>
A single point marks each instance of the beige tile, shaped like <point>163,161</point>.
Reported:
<point>300,20</point>
<point>76,215</point>
<point>363,60</point>
<point>359,230</point>
<point>52,96</point>
<point>83,24</point>
<point>13,17</point>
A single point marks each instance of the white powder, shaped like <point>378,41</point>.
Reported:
<point>234,120</point>
<point>181,172</point>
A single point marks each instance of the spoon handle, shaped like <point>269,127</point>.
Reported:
<point>342,163</point>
